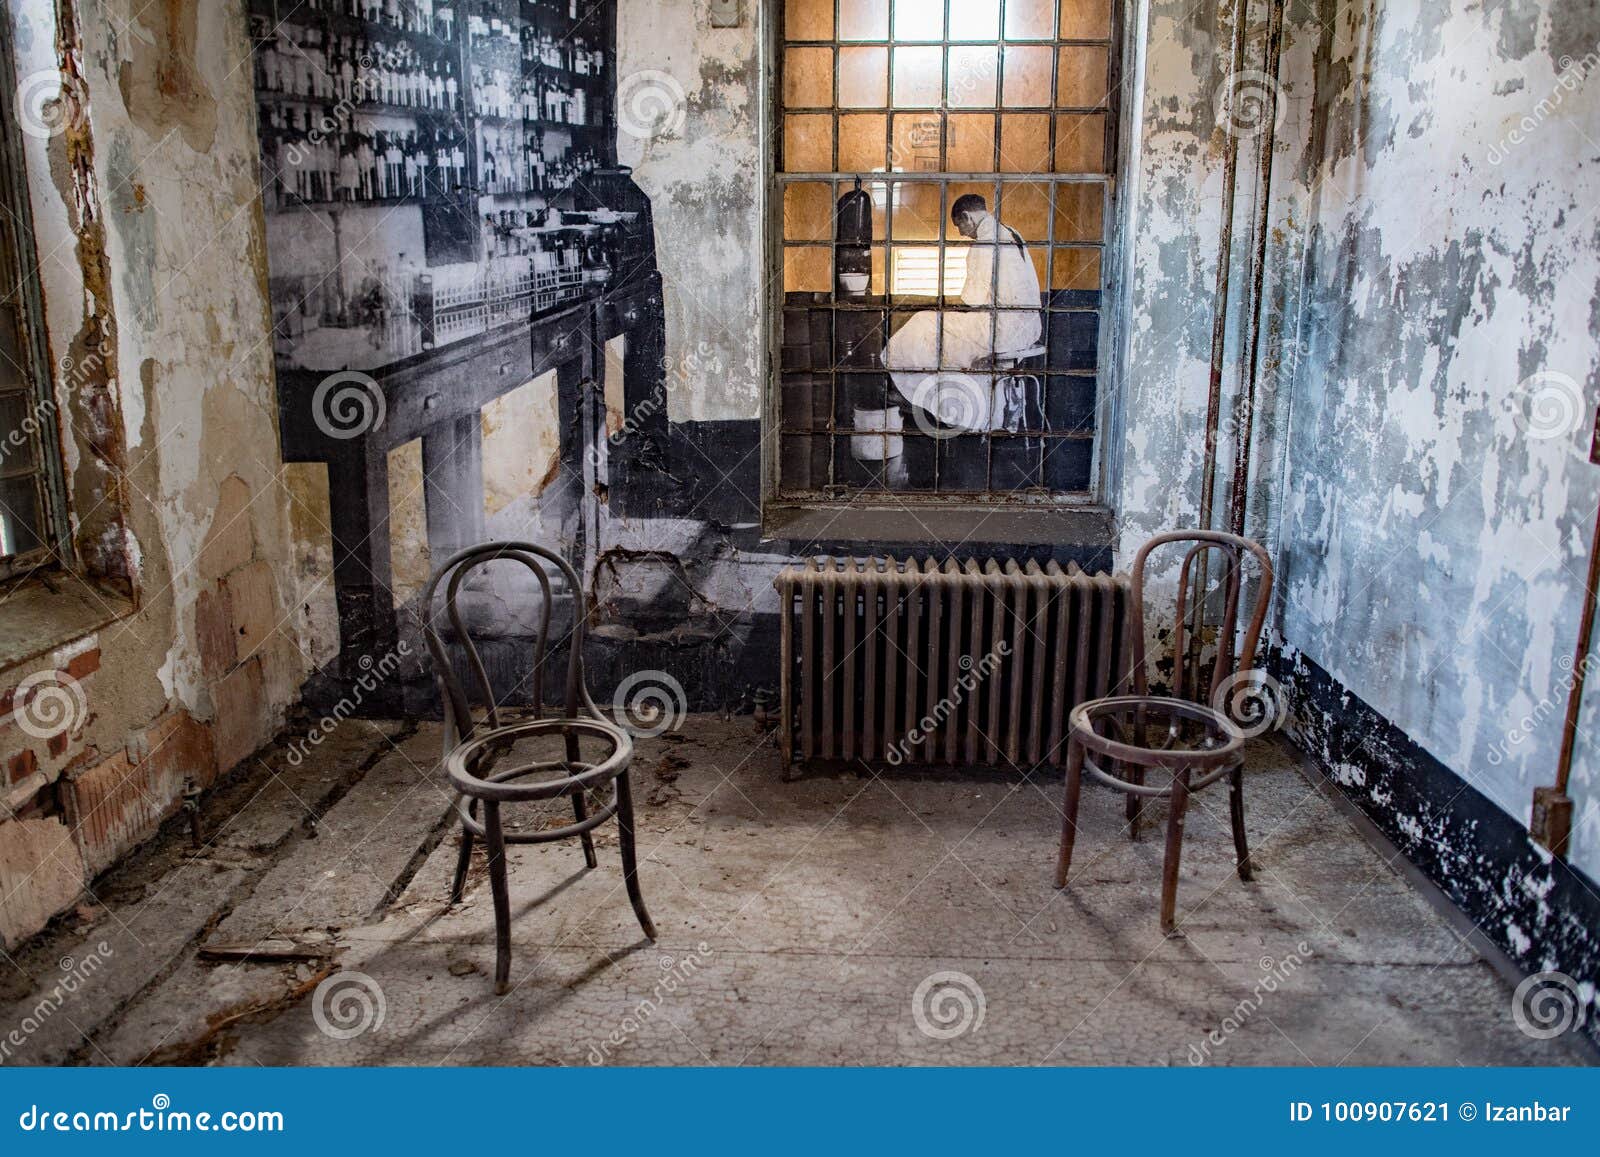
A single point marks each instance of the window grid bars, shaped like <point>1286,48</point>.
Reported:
<point>998,179</point>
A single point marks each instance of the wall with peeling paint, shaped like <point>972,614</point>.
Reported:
<point>1188,109</point>
<point>150,248</point>
<point>700,174</point>
<point>1440,500</point>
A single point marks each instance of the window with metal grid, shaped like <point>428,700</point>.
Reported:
<point>919,358</point>
<point>29,480</point>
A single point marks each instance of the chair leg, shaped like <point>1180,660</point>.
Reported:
<point>495,838</point>
<point>1133,810</point>
<point>1176,807</point>
<point>458,886</point>
<point>1069,810</point>
<point>580,807</point>
<point>580,812</point>
<point>1241,845</point>
<point>630,866</point>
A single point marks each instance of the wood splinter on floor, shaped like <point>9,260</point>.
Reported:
<point>268,952</point>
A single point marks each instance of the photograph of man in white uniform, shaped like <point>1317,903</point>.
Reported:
<point>1002,291</point>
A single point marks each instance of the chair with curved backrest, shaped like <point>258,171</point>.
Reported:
<point>474,749</point>
<point>1197,733</point>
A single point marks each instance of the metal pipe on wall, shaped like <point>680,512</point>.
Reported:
<point>1244,409</point>
<point>1550,823</point>
<point>1219,317</point>
<point>1219,333</point>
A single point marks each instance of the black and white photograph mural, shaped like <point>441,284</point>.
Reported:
<point>446,227</point>
<point>943,226</point>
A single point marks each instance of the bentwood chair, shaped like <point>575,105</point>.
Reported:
<point>476,748</point>
<point>1195,736</point>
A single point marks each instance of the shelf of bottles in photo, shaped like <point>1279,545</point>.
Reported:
<point>332,82</point>
<point>531,78</point>
<point>321,152</point>
<point>510,168</point>
<point>422,21</point>
<point>526,84</point>
<point>370,168</point>
<point>535,74</point>
<point>355,73</point>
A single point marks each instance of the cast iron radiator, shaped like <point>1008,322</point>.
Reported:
<point>912,662</point>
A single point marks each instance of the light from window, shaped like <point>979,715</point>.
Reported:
<point>916,270</point>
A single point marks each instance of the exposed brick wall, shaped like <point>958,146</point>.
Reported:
<point>182,520</point>
<point>116,804</point>
<point>44,711</point>
<point>21,766</point>
<point>71,809</point>
<point>105,798</point>
<point>41,873</point>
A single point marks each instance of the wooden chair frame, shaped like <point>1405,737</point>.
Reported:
<point>1201,742</point>
<point>475,748</point>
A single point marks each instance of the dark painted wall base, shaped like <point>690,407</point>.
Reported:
<point>1541,911</point>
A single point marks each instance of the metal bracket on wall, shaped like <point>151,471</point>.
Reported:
<point>725,13</point>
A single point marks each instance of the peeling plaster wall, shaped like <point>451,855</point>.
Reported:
<point>149,240</point>
<point>1173,194</point>
<point>1438,516</point>
<point>1173,200</point>
<point>702,174</point>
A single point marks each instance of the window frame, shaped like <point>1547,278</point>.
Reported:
<point>16,216</point>
<point>782,512</point>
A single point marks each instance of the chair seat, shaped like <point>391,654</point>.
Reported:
<point>1010,359</point>
<point>1221,741</point>
<point>467,808</point>
<point>1196,743</point>
<point>471,765</point>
